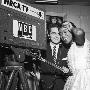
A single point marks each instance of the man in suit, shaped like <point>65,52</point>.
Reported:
<point>52,77</point>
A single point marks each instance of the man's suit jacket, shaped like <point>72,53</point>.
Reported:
<point>49,73</point>
<point>62,53</point>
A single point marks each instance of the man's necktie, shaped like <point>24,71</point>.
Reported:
<point>54,54</point>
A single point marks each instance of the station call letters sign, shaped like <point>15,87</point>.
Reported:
<point>24,30</point>
<point>19,6</point>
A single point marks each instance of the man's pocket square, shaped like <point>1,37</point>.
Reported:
<point>64,58</point>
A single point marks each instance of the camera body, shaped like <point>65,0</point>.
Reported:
<point>22,24</point>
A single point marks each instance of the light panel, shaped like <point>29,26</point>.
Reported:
<point>46,1</point>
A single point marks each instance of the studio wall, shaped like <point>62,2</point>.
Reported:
<point>79,15</point>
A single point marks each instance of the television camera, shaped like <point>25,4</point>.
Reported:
<point>22,29</point>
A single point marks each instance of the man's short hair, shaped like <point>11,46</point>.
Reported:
<point>52,26</point>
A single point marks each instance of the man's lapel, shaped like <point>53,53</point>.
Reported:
<point>49,53</point>
<point>59,54</point>
<point>62,53</point>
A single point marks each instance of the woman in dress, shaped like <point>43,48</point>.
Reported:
<point>78,61</point>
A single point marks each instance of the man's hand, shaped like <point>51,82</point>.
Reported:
<point>38,75</point>
<point>65,58</point>
<point>65,70</point>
